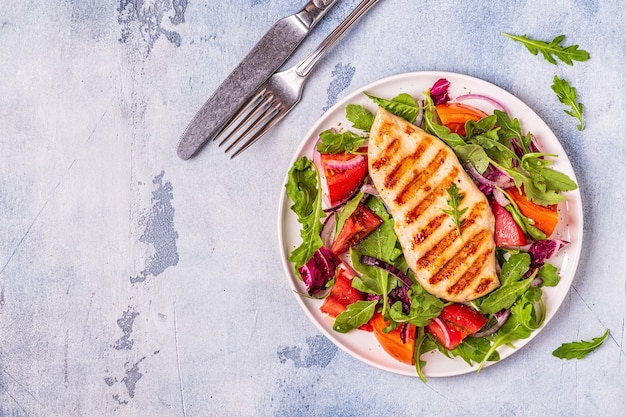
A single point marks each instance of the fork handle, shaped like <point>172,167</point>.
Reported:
<point>314,11</point>
<point>305,66</point>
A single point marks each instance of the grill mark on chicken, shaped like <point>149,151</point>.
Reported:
<point>386,154</point>
<point>436,191</point>
<point>467,279</point>
<point>406,165</point>
<point>438,248</point>
<point>420,180</point>
<point>432,225</point>
<point>455,264</point>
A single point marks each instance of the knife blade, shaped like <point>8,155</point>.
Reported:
<point>271,51</point>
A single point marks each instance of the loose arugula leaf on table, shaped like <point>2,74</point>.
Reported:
<point>567,95</point>
<point>333,142</point>
<point>402,105</point>
<point>552,50</point>
<point>303,190</point>
<point>578,350</point>
<point>454,201</point>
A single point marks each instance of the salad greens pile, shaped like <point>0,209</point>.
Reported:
<point>494,146</point>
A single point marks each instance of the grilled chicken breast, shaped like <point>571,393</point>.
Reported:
<point>412,170</point>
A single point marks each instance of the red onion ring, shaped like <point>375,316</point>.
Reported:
<point>355,161</point>
<point>486,99</point>
<point>371,261</point>
<point>444,330</point>
<point>501,317</point>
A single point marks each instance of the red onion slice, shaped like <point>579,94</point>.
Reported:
<point>371,261</point>
<point>501,317</point>
<point>444,330</point>
<point>481,97</point>
<point>350,163</point>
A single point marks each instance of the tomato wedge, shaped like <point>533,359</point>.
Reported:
<point>465,317</point>
<point>545,217</point>
<point>391,342</point>
<point>342,294</point>
<point>454,324</point>
<point>357,227</point>
<point>446,334</point>
<point>454,115</point>
<point>344,173</point>
<point>507,232</point>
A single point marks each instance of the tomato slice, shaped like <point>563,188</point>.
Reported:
<point>507,231</point>
<point>342,294</point>
<point>454,324</point>
<point>357,227</point>
<point>454,115</point>
<point>391,342</point>
<point>545,217</point>
<point>463,316</point>
<point>344,173</point>
<point>447,335</point>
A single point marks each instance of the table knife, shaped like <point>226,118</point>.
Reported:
<point>272,50</point>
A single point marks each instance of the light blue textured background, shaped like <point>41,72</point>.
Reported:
<point>133,283</point>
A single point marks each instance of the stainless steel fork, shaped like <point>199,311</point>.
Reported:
<point>279,94</point>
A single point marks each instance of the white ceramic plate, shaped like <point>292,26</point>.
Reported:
<point>363,345</point>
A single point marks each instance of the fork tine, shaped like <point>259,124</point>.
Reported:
<point>276,117</point>
<point>247,119</point>
<point>255,120</point>
<point>241,116</point>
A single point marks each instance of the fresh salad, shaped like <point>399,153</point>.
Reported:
<point>350,259</point>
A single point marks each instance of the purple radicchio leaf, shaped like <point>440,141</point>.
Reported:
<point>439,91</point>
<point>319,270</point>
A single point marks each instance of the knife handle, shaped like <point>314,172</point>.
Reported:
<point>314,11</point>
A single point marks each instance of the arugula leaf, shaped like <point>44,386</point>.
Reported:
<point>567,95</point>
<point>419,348</point>
<point>473,350</point>
<point>578,350</point>
<point>514,268</point>
<point>512,287</point>
<point>333,142</point>
<point>473,154</point>
<point>454,201</point>
<point>360,117</point>
<point>552,50</point>
<point>354,316</point>
<point>522,221</point>
<point>424,307</point>
<point>432,125</point>
<point>347,211</point>
<point>303,190</point>
<point>504,297</point>
<point>402,105</point>
<point>520,325</point>
<point>549,275</point>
